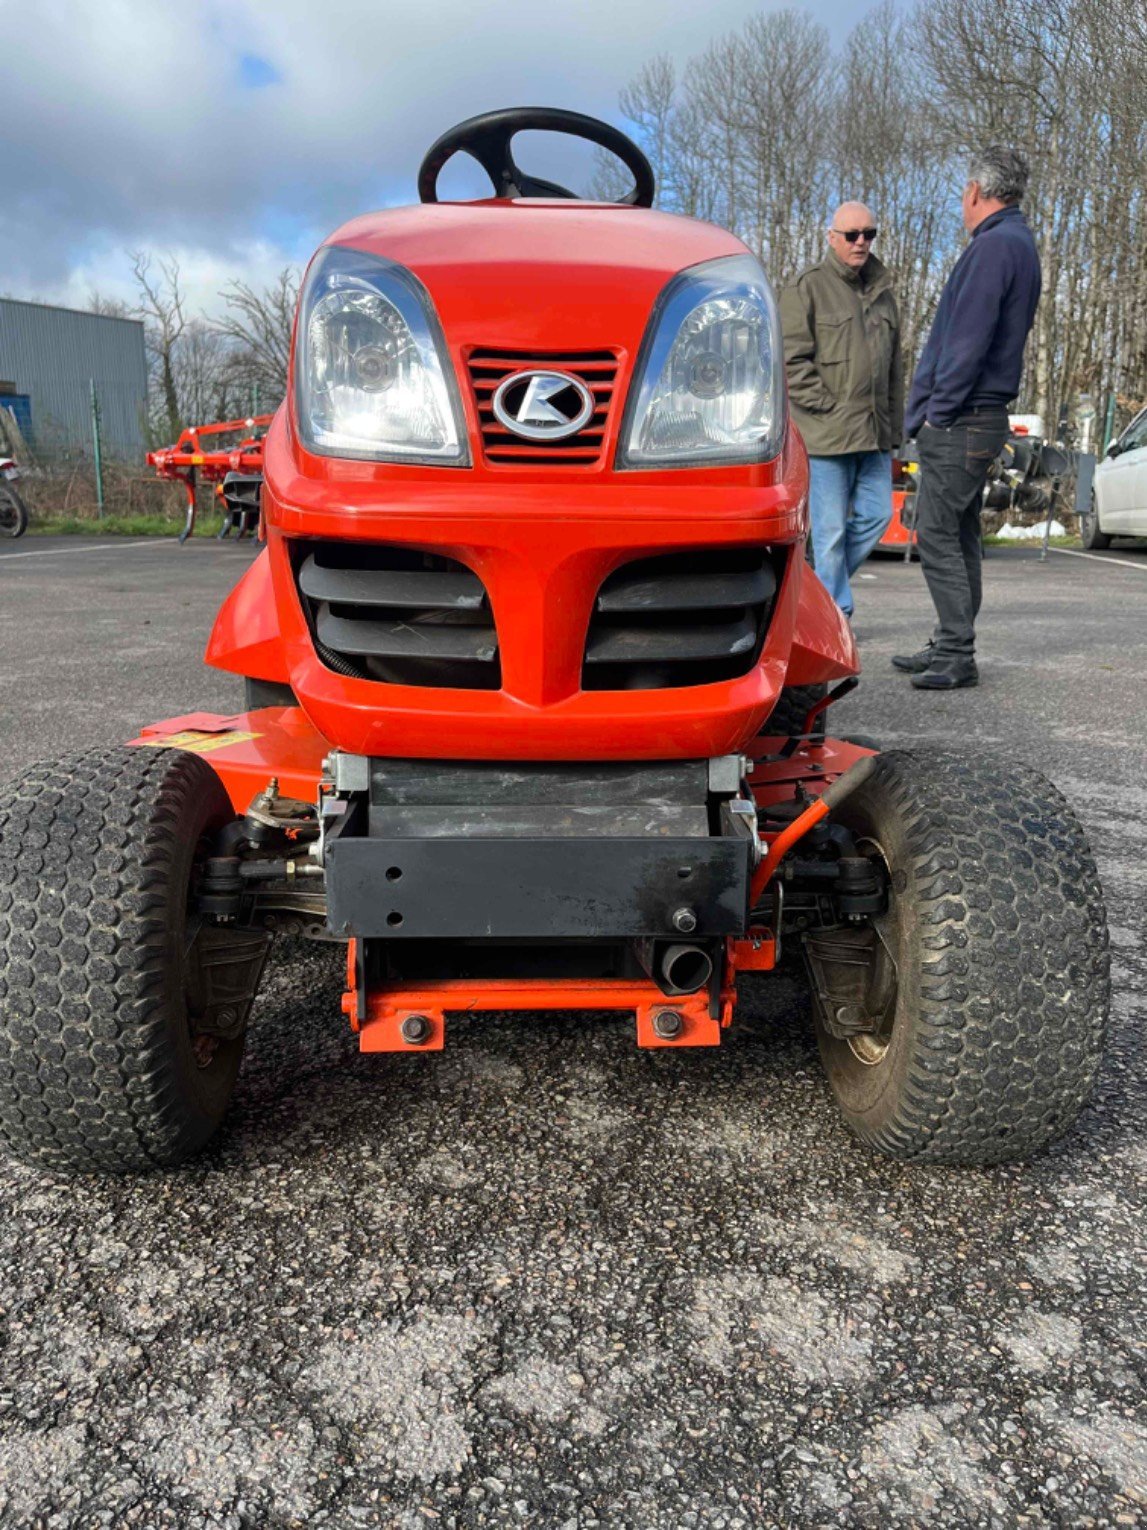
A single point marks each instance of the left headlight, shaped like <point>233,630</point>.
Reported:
<point>710,381</point>
<point>372,378</point>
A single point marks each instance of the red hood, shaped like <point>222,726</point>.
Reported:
<point>583,275</point>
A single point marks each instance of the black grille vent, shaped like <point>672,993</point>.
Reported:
<point>683,619</point>
<point>596,369</point>
<point>398,615</point>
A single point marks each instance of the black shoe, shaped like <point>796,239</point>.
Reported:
<point>915,663</point>
<point>947,675</point>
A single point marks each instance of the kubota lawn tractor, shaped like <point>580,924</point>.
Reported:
<point>536,675</point>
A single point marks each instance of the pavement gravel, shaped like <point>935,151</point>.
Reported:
<point>544,1278</point>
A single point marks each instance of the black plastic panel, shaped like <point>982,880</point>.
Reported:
<point>664,644</point>
<point>538,782</point>
<point>688,592</point>
<point>403,588</point>
<point>398,615</point>
<point>419,638</point>
<point>529,889</point>
<point>685,618</point>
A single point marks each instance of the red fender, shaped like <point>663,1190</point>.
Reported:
<point>823,647</point>
<point>245,638</point>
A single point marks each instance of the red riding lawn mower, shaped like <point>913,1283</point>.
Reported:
<point>536,676</point>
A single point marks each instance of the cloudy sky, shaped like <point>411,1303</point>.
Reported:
<point>234,134</point>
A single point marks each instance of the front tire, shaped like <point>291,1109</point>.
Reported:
<point>101,1066</point>
<point>998,935</point>
<point>1089,532</point>
<point>13,512</point>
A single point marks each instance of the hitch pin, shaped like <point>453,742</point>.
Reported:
<point>831,797</point>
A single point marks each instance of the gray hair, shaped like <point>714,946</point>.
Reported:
<point>1000,173</point>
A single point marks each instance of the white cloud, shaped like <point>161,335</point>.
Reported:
<point>126,124</point>
<point>203,273</point>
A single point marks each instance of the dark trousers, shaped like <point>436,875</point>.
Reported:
<point>954,462</point>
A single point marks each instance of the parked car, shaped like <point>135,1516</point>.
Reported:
<point>1119,490</point>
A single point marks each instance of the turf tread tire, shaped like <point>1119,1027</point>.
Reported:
<point>96,1068</point>
<point>1002,1016</point>
<point>793,704</point>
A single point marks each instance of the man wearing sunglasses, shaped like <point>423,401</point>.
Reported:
<point>969,373</point>
<point>846,390</point>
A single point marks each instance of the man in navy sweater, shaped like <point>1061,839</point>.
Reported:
<point>957,409</point>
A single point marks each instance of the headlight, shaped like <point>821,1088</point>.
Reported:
<point>710,379</point>
<point>372,378</point>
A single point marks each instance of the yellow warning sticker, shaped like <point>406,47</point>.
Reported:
<point>196,742</point>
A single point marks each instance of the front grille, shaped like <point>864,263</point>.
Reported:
<point>596,369</point>
<point>398,615</point>
<point>682,619</point>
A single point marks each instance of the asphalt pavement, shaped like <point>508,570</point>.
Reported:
<point>544,1278</point>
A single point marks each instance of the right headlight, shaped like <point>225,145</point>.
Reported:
<point>372,377</point>
<point>710,381</point>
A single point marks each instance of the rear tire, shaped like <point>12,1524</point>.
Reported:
<point>998,932</point>
<point>793,705</point>
<point>1089,532</point>
<point>97,1062</point>
<point>13,512</point>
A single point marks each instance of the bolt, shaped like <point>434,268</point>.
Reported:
<point>415,1030</point>
<point>685,920</point>
<point>668,1024</point>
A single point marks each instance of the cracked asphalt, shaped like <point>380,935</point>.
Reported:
<point>544,1278</point>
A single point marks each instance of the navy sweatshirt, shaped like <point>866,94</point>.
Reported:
<point>975,351</point>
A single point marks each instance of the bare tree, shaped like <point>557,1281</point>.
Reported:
<point>767,129</point>
<point>205,379</point>
<point>259,327</point>
<point>886,156</point>
<point>109,308</point>
<point>160,307</point>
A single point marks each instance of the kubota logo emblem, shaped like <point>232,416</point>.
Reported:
<point>543,406</point>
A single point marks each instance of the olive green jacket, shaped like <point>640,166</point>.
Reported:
<point>842,354</point>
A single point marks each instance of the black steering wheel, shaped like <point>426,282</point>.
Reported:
<point>488,136</point>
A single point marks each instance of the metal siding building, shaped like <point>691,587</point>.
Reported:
<point>54,355</point>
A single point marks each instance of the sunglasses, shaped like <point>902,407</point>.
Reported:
<point>851,235</point>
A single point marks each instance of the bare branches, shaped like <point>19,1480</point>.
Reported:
<point>202,370</point>
<point>259,327</point>
<point>160,306</point>
<point>767,130</point>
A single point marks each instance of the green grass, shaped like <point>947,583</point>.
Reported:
<point>119,526</point>
<point>1030,542</point>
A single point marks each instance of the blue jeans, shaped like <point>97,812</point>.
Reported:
<point>850,500</point>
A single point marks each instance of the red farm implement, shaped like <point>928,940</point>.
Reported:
<point>235,468</point>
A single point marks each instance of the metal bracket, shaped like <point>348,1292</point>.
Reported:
<point>725,774</point>
<point>350,772</point>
